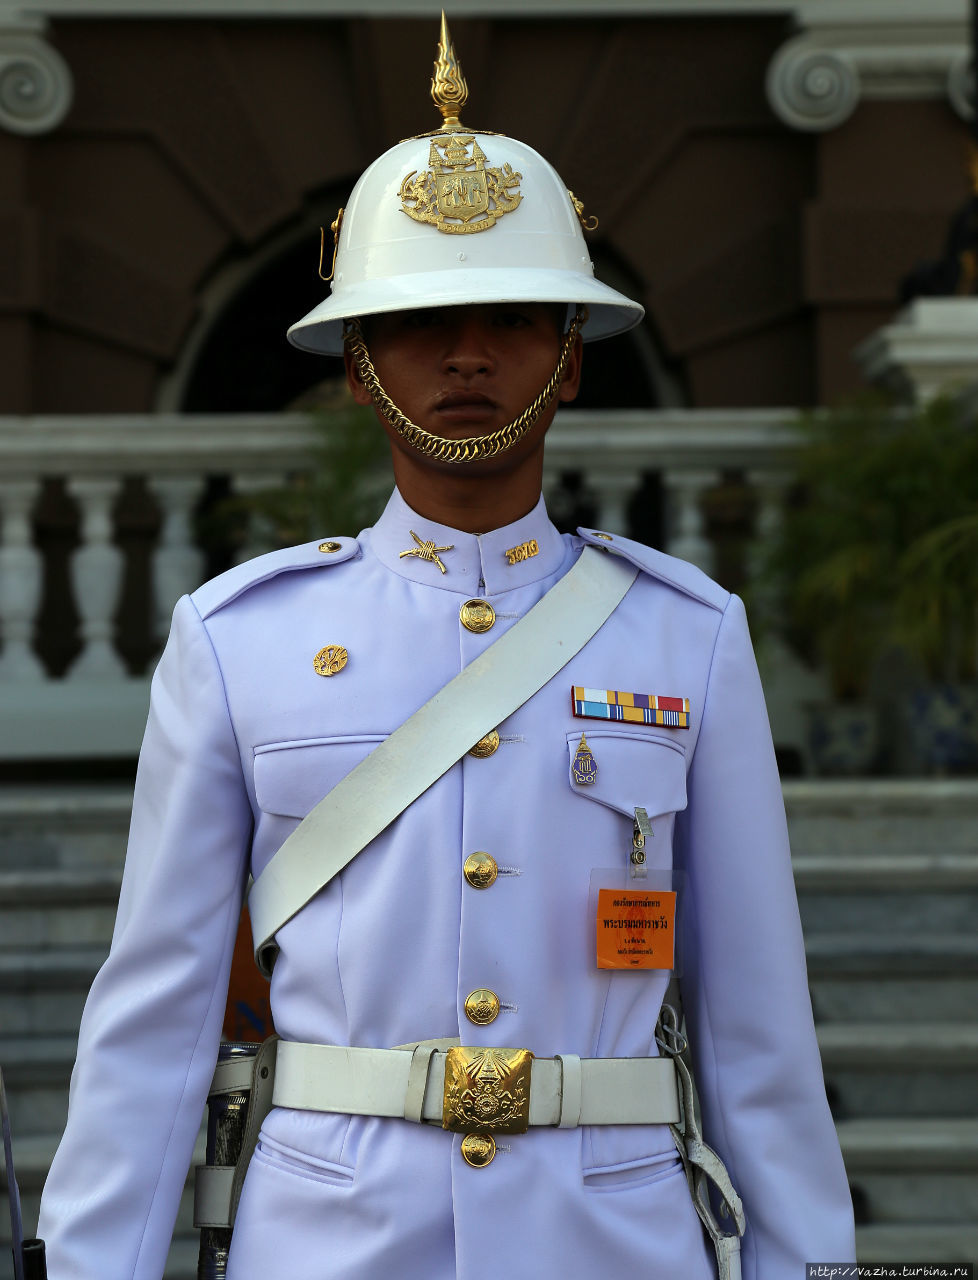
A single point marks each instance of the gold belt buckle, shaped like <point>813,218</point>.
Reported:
<point>487,1090</point>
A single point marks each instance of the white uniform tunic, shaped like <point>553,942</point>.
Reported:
<point>244,738</point>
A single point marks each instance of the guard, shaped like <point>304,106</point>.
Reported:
<point>509,799</point>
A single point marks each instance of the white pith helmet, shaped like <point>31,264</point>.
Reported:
<point>456,217</point>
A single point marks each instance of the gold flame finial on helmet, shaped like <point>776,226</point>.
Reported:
<point>448,88</point>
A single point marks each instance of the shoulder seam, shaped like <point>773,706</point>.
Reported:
<point>229,586</point>
<point>678,574</point>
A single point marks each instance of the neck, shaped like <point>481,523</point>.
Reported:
<point>476,497</point>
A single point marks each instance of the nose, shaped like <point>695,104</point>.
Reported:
<point>468,351</point>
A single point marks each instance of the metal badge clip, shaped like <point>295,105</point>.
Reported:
<point>641,832</point>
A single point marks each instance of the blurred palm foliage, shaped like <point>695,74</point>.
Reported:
<point>343,489</point>
<point>879,546</point>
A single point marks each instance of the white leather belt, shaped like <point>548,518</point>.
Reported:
<point>409,1083</point>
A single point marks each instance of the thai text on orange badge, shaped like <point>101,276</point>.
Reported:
<point>636,928</point>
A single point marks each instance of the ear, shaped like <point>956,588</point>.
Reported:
<point>358,391</point>
<point>571,382</point>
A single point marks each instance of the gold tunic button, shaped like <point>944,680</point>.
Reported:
<point>485,746</point>
<point>481,1006</point>
<point>331,546</point>
<point>605,536</point>
<point>477,615</point>
<point>478,1149</point>
<point>480,870</point>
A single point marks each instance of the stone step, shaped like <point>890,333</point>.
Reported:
<point>881,912</point>
<point>880,997</point>
<point>876,1070</point>
<point>64,825</point>
<point>917,1242</point>
<point>841,871</point>
<point>57,907</point>
<point>36,1072</point>
<point>54,886</point>
<point>914,1145</point>
<point>43,992</point>
<point>877,979</point>
<point>887,955</point>
<point>898,1046</point>
<point>912,1170</point>
<point>895,815</point>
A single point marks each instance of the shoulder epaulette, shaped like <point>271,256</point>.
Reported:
<point>228,586</point>
<point>680,574</point>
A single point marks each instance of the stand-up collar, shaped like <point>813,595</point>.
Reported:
<point>477,563</point>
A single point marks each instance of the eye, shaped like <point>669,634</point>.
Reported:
<point>512,318</point>
<point>422,318</point>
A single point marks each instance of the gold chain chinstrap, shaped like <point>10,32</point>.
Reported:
<point>440,447</point>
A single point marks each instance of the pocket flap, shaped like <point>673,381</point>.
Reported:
<point>292,777</point>
<point>631,770</point>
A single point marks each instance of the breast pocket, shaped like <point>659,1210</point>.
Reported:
<point>292,777</point>
<point>630,769</point>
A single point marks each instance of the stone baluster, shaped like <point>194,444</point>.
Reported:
<point>790,686</point>
<point>21,573</point>
<point>769,488</point>
<point>259,534</point>
<point>684,492</point>
<point>96,574</point>
<point>614,489</point>
<point>178,565</point>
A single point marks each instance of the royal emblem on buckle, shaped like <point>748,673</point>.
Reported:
<point>487,1090</point>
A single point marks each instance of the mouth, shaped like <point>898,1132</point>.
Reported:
<point>464,407</point>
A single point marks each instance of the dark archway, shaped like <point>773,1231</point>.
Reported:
<point>245,364</point>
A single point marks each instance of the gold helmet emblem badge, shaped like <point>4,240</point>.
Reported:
<point>460,193</point>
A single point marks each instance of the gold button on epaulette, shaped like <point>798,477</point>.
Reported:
<point>605,536</point>
<point>480,869</point>
<point>486,746</point>
<point>482,1006</point>
<point>477,615</point>
<point>331,546</point>
<point>478,1149</point>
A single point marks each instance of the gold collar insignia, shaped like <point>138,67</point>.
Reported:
<point>425,551</point>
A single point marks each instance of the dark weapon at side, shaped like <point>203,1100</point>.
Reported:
<point>30,1262</point>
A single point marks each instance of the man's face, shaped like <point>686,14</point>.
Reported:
<point>465,371</point>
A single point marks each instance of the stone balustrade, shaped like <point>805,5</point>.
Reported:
<point>96,707</point>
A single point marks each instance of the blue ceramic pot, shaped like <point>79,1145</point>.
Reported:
<point>843,738</point>
<point>943,728</point>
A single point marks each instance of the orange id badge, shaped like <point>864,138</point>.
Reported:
<point>634,921</point>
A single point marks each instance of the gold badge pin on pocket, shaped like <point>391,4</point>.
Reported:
<point>330,660</point>
<point>585,768</point>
